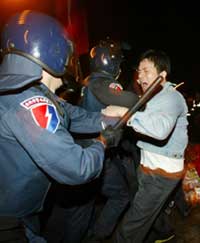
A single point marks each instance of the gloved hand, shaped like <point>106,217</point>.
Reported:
<point>111,136</point>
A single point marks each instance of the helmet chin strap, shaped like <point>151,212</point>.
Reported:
<point>118,74</point>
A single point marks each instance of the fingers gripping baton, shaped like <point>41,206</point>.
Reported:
<point>144,98</point>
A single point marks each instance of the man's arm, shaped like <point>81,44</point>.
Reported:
<point>111,93</point>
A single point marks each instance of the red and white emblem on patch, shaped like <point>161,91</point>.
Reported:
<point>43,112</point>
<point>116,86</point>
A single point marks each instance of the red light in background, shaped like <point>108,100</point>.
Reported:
<point>74,17</point>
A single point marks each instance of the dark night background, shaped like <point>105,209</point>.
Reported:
<point>172,27</point>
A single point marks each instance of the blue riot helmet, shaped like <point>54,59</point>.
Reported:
<point>40,38</point>
<point>106,56</point>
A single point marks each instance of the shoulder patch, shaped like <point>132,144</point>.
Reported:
<point>116,86</point>
<point>44,113</point>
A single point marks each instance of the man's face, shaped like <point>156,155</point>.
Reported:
<point>147,73</point>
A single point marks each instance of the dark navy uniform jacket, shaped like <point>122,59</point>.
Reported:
<point>102,89</point>
<point>35,143</point>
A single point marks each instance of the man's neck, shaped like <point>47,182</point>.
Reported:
<point>50,81</point>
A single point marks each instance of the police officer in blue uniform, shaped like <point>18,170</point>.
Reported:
<point>101,89</point>
<point>36,146</point>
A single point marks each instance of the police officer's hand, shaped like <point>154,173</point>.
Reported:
<point>111,136</point>
<point>114,111</point>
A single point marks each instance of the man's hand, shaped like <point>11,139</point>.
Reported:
<point>110,136</point>
<point>114,111</point>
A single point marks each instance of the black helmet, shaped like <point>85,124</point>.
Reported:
<point>106,56</point>
<point>38,37</point>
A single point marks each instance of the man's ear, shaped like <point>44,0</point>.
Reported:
<point>163,74</point>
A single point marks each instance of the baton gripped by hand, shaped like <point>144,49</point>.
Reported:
<point>144,98</point>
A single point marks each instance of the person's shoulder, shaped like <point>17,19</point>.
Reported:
<point>101,81</point>
<point>171,89</point>
<point>175,97</point>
